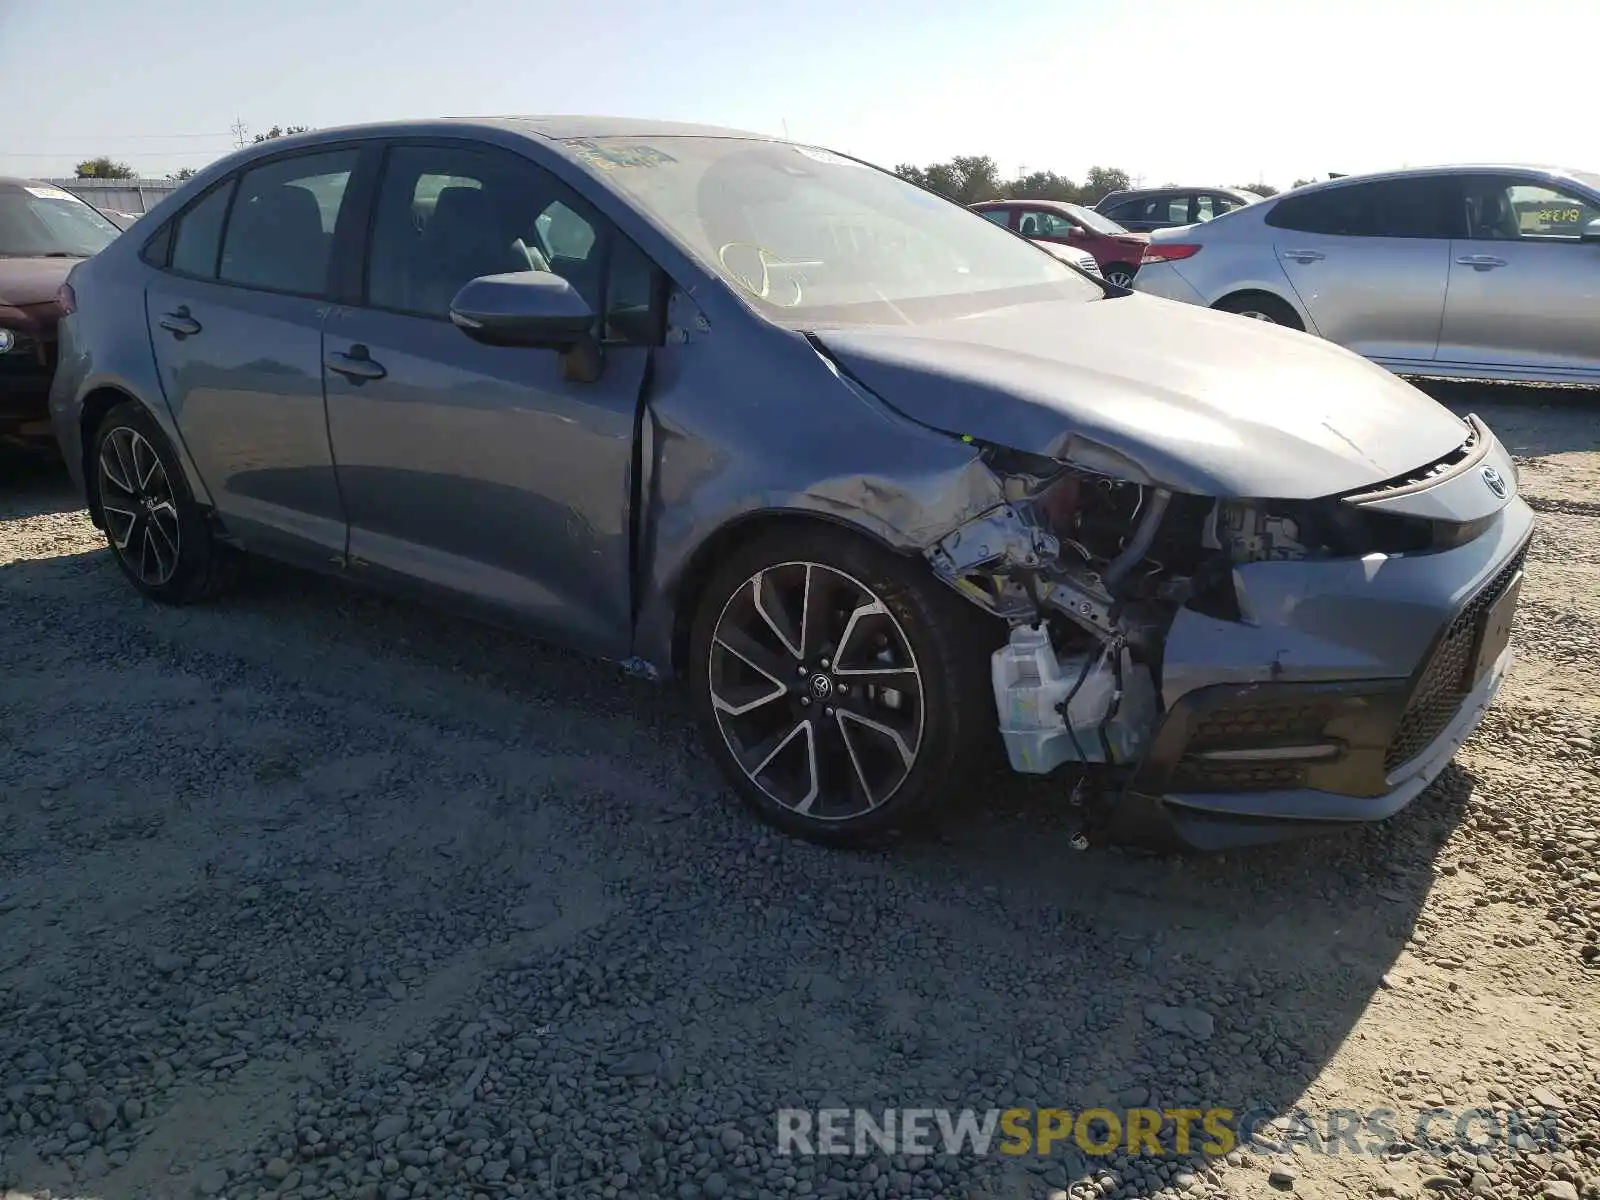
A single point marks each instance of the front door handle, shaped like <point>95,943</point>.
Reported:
<point>355,364</point>
<point>179,323</point>
<point>1305,256</point>
<point>1481,262</point>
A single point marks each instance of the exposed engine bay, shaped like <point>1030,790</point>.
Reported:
<point>1089,572</point>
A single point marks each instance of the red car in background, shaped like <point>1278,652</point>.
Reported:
<point>1116,249</point>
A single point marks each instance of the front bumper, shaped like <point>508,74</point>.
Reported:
<point>25,373</point>
<point>1229,765</point>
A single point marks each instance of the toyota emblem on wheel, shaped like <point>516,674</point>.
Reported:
<point>821,687</point>
<point>1496,482</point>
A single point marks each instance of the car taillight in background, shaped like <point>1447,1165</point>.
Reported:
<point>67,300</point>
<point>1161,252</point>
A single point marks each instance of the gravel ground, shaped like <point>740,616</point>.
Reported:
<point>313,894</point>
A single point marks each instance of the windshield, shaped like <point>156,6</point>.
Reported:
<point>808,237</point>
<point>38,222</point>
<point>1250,197</point>
<point>1093,221</point>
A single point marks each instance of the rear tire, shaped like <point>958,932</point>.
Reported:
<point>1258,306</point>
<point>842,690</point>
<point>161,538</point>
<point>1120,274</point>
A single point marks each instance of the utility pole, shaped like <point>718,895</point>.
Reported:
<point>239,132</point>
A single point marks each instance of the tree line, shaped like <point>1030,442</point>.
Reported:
<point>970,179</point>
<point>106,167</point>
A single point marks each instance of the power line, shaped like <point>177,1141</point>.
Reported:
<point>147,153</point>
<point>117,137</point>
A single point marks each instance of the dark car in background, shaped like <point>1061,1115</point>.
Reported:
<point>1116,250</point>
<point>44,231</point>
<point>1165,208</point>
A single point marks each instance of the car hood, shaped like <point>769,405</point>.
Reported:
<point>1159,392</point>
<point>29,281</point>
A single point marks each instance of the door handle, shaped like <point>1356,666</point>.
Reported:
<point>1305,256</point>
<point>179,323</point>
<point>1481,262</point>
<point>355,365</point>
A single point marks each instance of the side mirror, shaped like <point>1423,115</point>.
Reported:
<point>534,309</point>
<point>1591,232</point>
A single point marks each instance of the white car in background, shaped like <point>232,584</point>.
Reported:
<point>1446,272</point>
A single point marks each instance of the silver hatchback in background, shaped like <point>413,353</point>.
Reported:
<point>1448,272</point>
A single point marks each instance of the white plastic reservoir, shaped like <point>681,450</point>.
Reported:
<point>1031,681</point>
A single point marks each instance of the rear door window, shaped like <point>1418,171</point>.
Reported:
<point>280,229</point>
<point>1423,207</point>
<point>198,238</point>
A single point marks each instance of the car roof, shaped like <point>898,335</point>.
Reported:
<point>1028,200</point>
<point>555,128</point>
<point>1483,168</point>
<point>1174,189</point>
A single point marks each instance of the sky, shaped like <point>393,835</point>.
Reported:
<point>1171,91</point>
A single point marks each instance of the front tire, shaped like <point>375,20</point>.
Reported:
<point>158,534</point>
<point>841,689</point>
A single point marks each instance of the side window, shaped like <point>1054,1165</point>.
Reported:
<point>199,234</point>
<point>1421,207</point>
<point>280,232</point>
<point>1504,209</point>
<point>1326,212</point>
<point>1000,216</point>
<point>1046,224</point>
<point>447,215</point>
<point>1206,207</point>
<point>632,290</point>
<point>1175,209</point>
<point>1128,210</point>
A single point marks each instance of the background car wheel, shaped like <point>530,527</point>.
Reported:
<point>1258,306</point>
<point>843,691</point>
<point>1120,274</point>
<point>159,536</point>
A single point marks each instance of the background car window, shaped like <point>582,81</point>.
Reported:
<point>280,232</point>
<point>1045,224</point>
<point>1425,207</point>
<point>448,215</point>
<point>199,234</point>
<point>41,220</point>
<point>1206,207</point>
<point>1510,208</point>
<point>1176,210</point>
<point>999,216</point>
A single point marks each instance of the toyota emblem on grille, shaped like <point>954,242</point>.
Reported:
<point>1496,481</point>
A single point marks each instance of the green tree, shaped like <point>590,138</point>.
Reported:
<point>1300,183</point>
<point>182,173</point>
<point>278,131</point>
<point>1102,181</point>
<point>1263,190</point>
<point>104,167</point>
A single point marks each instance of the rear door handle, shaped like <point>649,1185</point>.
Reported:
<point>179,323</point>
<point>1305,256</point>
<point>1482,262</point>
<point>355,365</point>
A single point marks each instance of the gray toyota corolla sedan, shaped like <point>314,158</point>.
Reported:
<point>880,481</point>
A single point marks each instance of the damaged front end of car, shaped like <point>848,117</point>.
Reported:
<point>1239,666</point>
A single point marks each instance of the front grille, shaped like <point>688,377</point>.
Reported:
<point>29,358</point>
<point>1446,680</point>
<point>1252,726</point>
<point>1204,775</point>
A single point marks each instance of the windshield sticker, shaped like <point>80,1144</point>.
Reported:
<point>829,157</point>
<point>50,193</point>
<point>609,157</point>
